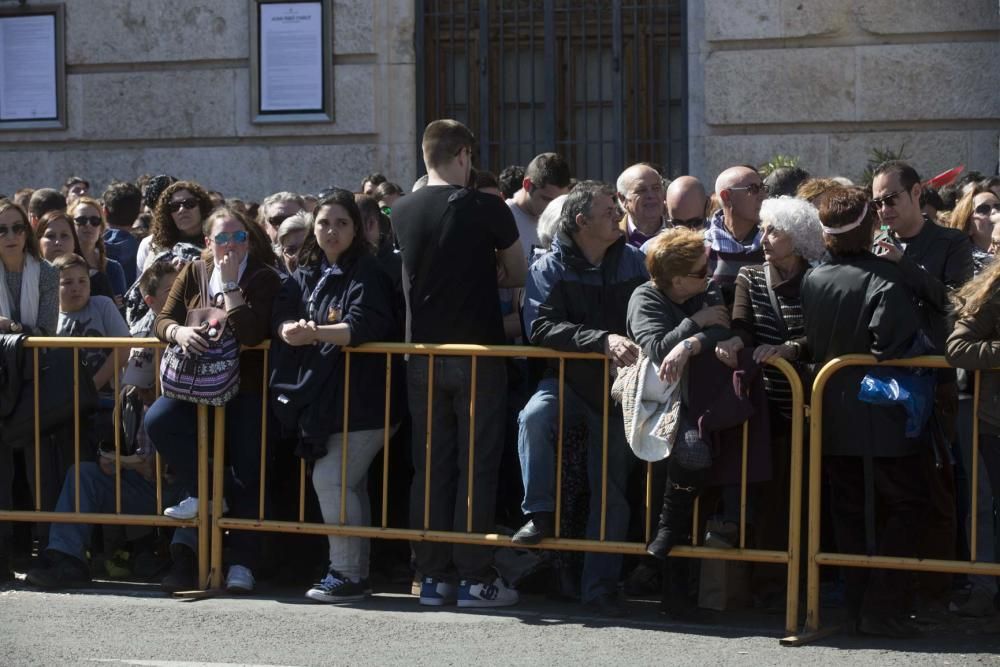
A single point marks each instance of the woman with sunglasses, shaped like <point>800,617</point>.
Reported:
<point>675,317</point>
<point>339,296</point>
<point>177,218</point>
<point>243,281</point>
<point>88,218</point>
<point>976,214</point>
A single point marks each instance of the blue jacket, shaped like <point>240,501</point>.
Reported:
<point>572,305</point>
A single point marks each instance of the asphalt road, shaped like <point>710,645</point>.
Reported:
<point>135,625</point>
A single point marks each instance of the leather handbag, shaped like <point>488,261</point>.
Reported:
<point>213,377</point>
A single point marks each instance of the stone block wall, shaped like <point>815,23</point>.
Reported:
<point>828,80</point>
<point>164,87</point>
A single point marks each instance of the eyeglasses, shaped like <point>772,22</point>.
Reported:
<point>985,209</point>
<point>754,189</point>
<point>222,238</point>
<point>702,274</point>
<point>189,203</point>
<point>16,229</point>
<point>290,250</point>
<point>888,200</point>
<point>276,220</point>
<point>84,220</point>
<point>690,222</point>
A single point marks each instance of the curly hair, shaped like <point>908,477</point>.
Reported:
<point>259,245</point>
<point>798,219</point>
<point>164,232</point>
<point>102,252</point>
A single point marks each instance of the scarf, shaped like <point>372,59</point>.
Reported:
<point>327,271</point>
<point>722,241</point>
<point>29,293</point>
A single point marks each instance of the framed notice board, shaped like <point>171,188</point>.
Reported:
<point>32,68</point>
<point>292,61</point>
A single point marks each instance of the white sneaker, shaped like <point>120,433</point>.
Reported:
<point>497,594</point>
<point>239,580</point>
<point>188,509</point>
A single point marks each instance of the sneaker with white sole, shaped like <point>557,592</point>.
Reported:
<point>335,588</point>
<point>436,593</point>
<point>239,580</point>
<point>496,594</point>
<point>188,509</point>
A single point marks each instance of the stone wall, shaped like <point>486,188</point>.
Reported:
<point>828,80</point>
<point>164,87</point>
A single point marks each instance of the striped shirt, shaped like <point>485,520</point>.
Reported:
<point>754,318</point>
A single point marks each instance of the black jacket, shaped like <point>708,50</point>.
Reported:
<point>307,382</point>
<point>572,305</point>
<point>859,305</point>
<point>11,371</point>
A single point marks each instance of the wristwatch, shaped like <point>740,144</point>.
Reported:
<point>688,345</point>
<point>230,286</point>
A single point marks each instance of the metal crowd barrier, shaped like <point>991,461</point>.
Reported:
<point>816,558</point>
<point>211,525</point>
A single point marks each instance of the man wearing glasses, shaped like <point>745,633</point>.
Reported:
<point>733,234</point>
<point>686,202</point>
<point>274,210</point>
<point>933,260</point>
<point>640,192</point>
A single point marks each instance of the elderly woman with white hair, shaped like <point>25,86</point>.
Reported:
<point>767,315</point>
<point>291,235</point>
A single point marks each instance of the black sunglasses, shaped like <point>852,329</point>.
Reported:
<point>189,203</point>
<point>690,222</point>
<point>84,220</point>
<point>754,188</point>
<point>888,200</point>
<point>985,209</point>
<point>16,229</point>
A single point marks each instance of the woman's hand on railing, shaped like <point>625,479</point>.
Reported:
<point>298,333</point>
<point>762,353</point>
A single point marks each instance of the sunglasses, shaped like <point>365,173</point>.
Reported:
<point>16,229</point>
<point>222,238</point>
<point>754,188</point>
<point>690,222</point>
<point>84,220</point>
<point>175,206</point>
<point>985,209</point>
<point>888,200</point>
<point>276,220</point>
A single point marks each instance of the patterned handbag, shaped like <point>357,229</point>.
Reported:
<point>213,377</point>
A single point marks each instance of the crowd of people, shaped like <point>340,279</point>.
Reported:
<point>687,290</point>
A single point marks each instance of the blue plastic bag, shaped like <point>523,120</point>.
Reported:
<point>911,391</point>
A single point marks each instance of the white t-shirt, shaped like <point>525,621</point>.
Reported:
<point>527,229</point>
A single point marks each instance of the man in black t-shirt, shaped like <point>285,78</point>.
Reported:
<point>458,247</point>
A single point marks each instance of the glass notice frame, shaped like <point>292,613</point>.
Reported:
<point>32,67</point>
<point>291,61</point>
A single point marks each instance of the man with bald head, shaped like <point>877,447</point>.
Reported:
<point>686,201</point>
<point>640,192</point>
<point>733,234</point>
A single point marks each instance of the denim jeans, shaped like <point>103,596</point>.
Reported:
<point>172,425</point>
<point>449,460</point>
<point>97,495</point>
<point>536,443</point>
<point>348,555</point>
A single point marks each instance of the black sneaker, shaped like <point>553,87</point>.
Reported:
<point>63,571</point>
<point>337,588</point>
<point>183,573</point>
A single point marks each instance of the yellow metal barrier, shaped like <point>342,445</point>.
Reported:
<point>790,557</point>
<point>816,558</point>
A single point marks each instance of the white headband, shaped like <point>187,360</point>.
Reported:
<point>847,228</point>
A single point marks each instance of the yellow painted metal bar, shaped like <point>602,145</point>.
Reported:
<point>98,518</point>
<point>794,495</point>
<point>118,433</point>
<point>76,426</point>
<point>472,442</point>
<point>302,490</point>
<point>559,445</point>
<point>159,484</point>
<point>695,516</point>
<point>743,485</point>
<point>908,563</point>
<point>973,516</point>
<point>649,503</point>
<point>344,438</point>
<point>204,536</point>
<point>218,497</point>
<point>604,451</point>
<point>427,442</point>
<point>263,439</point>
<point>385,441</point>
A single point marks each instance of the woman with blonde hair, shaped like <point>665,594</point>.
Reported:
<point>88,217</point>
<point>976,213</point>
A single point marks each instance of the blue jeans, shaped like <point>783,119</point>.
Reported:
<point>536,443</point>
<point>97,495</point>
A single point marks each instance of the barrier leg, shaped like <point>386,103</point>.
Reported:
<point>204,536</point>
<point>218,482</point>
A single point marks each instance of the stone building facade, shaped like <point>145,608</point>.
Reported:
<point>164,87</point>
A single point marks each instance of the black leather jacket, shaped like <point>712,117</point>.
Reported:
<point>11,371</point>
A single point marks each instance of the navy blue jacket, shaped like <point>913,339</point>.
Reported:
<point>307,382</point>
<point>572,305</point>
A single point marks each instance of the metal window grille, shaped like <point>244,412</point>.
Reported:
<point>601,82</point>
